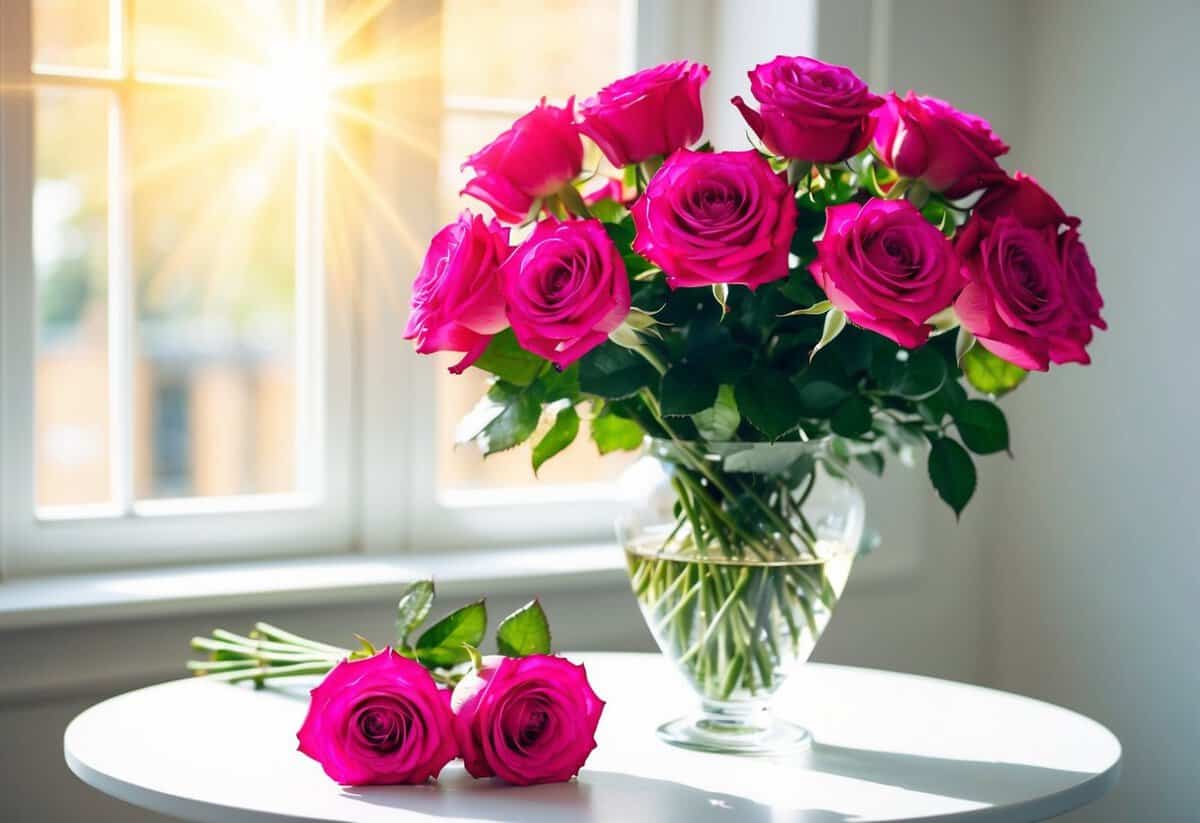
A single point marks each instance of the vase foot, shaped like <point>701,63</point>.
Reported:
<point>698,733</point>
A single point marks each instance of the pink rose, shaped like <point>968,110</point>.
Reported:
<point>648,114</point>
<point>608,188</point>
<point>721,217</point>
<point>928,139</point>
<point>1084,298</point>
<point>379,721</point>
<point>1022,197</point>
<point>457,302</point>
<point>810,110</point>
<point>887,268</point>
<point>1018,301</point>
<point>526,720</point>
<point>539,154</point>
<point>566,289</point>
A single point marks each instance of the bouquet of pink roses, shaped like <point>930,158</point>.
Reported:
<point>821,299</point>
<point>807,287</point>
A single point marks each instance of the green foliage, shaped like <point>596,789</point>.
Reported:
<point>611,432</point>
<point>719,422</point>
<point>952,473</point>
<point>769,401</point>
<point>505,358</point>
<point>524,632</point>
<point>982,426</point>
<point>686,390</point>
<point>613,372</point>
<point>988,373</point>
<point>852,417</point>
<point>504,418</point>
<point>413,608</point>
<point>559,436</point>
<point>443,643</point>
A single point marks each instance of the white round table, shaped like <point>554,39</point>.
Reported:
<point>889,747</point>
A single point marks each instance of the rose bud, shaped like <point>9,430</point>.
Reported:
<point>457,302</point>
<point>566,289</point>
<point>929,140</point>
<point>1022,197</point>
<point>379,721</point>
<point>526,720</point>
<point>539,154</point>
<point>716,217</point>
<point>648,114</point>
<point>810,110</point>
<point>887,268</point>
<point>1018,302</point>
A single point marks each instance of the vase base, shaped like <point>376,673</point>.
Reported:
<point>698,734</point>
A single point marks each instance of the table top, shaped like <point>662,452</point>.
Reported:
<point>889,747</point>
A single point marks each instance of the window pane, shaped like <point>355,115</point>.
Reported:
<point>70,248</point>
<point>529,48</point>
<point>214,255</point>
<point>72,34</point>
<point>209,38</point>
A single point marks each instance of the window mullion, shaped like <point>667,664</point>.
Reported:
<point>122,309</point>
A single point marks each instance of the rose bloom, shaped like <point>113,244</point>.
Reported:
<point>1022,197</point>
<point>887,268</point>
<point>539,154</point>
<point>566,288</point>
<point>526,720</point>
<point>1019,302</point>
<point>928,139</point>
<point>379,721</point>
<point>648,114</point>
<point>457,302</point>
<point>721,217</point>
<point>810,110</point>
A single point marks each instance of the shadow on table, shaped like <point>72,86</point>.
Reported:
<point>977,780</point>
<point>597,795</point>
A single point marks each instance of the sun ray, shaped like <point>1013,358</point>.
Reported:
<point>352,21</point>
<point>378,126</point>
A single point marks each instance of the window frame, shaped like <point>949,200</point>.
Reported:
<point>316,519</point>
<point>379,410</point>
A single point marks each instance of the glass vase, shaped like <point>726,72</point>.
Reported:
<point>737,554</point>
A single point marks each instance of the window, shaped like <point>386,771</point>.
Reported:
<point>212,215</point>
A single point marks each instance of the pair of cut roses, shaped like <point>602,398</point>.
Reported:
<point>384,720</point>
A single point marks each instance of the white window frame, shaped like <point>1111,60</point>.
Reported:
<point>375,484</point>
<point>317,518</point>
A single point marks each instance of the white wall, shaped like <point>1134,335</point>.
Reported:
<point>1093,556</point>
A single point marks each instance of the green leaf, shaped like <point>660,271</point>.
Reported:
<point>505,358</point>
<point>952,473</point>
<point>721,420</point>
<point>560,385</point>
<point>766,458</point>
<point>611,433</point>
<point>819,398</point>
<point>524,632</point>
<point>559,436</point>
<point>504,418</point>
<point>818,308</point>
<point>724,362</point>
<point>990,374</point>
<point>872,461</point>
<point>442,643</point>
<point>614,372</point>
<point>769,401</point>
<point>686,390</point>
<point>835,321</point>
<point>922,374</point>
<point>413,608</point>
<point>609,211</point>
<point>852,418</point>
<point>982,426</point>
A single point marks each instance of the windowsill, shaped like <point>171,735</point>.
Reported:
<point>73,599</point>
